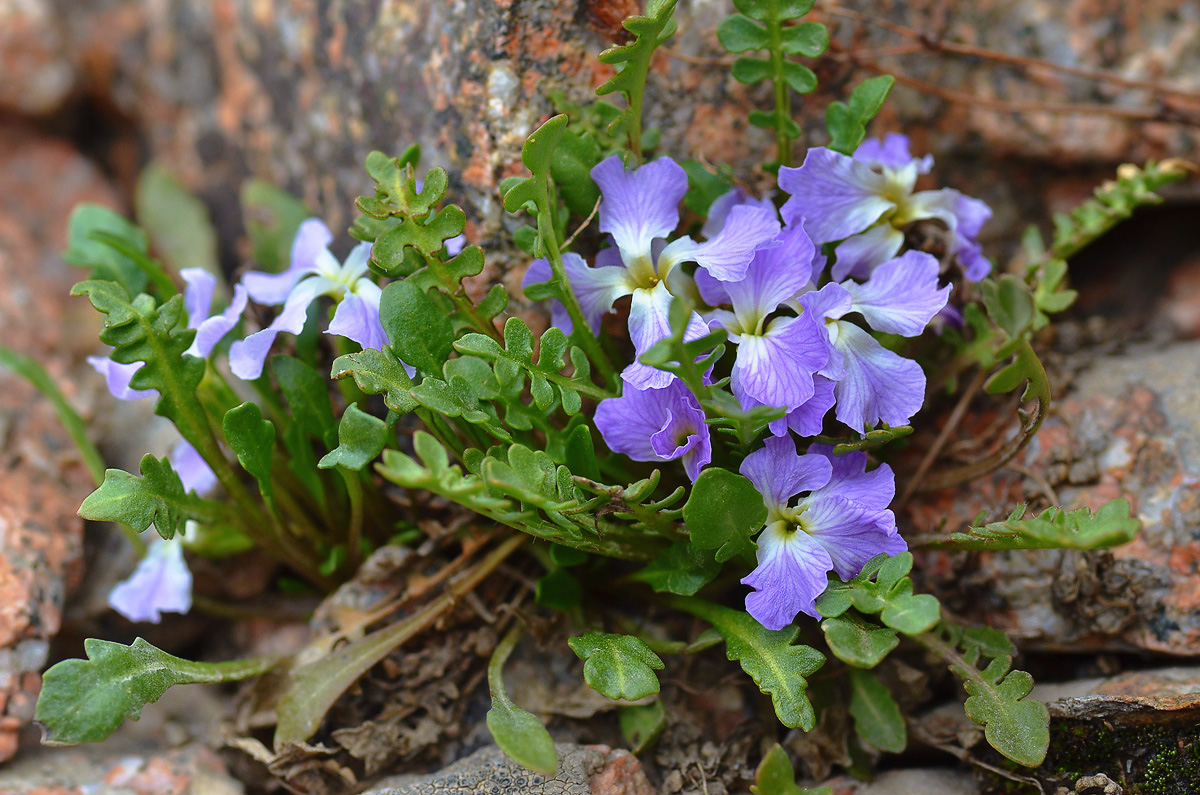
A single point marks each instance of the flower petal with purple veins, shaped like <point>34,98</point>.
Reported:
<point>192,469</point>
<point>161,583</point>
<point>780,474</point>
<point>858,255</point>
<point>851,533</point>
<point>117,377</point>
<point>852,481</point>
<point>878,384</point>
<point>656,425</point>
<point>641,205</point>
<point>728,255</point>
<point>792,572</point>
<point>902,295</point>
<point>836,195</point>
<point>776,274</point>
<point>776,368</point>
<point>808,419</point>
<point>649,322</point>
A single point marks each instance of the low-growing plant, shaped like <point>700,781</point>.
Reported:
<point>726,423</point>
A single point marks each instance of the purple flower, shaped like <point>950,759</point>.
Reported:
<point>776,359</point>
<point>872,383</point>
<point>657,425</point>
<point>193,471</point>
<point>866,200</point>
<point>840,523</point>
<point>161,583</point>
<point>639,209</point>
<point>197,298</point>
<point>117,377</point>
<point>313,272</point>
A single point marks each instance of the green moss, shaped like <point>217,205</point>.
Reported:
<point>1144,760</point>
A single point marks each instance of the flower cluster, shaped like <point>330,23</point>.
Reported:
<point>801,328</point>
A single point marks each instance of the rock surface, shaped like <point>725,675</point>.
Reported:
<point>42,480</point>
<point>298,93</point>
<point>582,770</point>
<point>932,781</point>
<point>190,770</point>
<point>1128,427</point>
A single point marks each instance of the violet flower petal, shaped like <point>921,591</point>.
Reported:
<point>640,205</point>
<point>852,481</point>
<point>728,255</point>
<point>851,533</point>
<point>878,384</point>
<point>310,250</point>
<point>192,469</point>
<point>902,295</point>
<point>858,255</point>
<point>776,368</point>
<point>836,195</point>
<point>161,583</point>
<point>649,322</point>
<point>197,294</point>
<point>357,318</point>
<point>117,377</point>
<point>246,357</point>
<point>792,572</point>
<point>780,474</point>
<point>213,329</point>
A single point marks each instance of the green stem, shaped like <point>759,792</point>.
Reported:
<point>783,97</point>
<point>462,304</point>
<point>582,332</point>
<point>354,532</point>
<point>495,669</point>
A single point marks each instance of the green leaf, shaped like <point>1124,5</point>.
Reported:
<point>1053,528</point>
<point>877,717</point>
<point>704,186</point>
<point>568,556</point>
<point>177,222</point>
<point>776,665</point>
<point>809,39</point>
<point>682,568</point>
<point>571,168</point>
<point>537,155</point>
<point>909,613</point>
<point>1014,725</point>
<point>857,642</point>
<point>307,395</point>
<point>361,438</point>
<point>104,261</point>
<point>642,724</point>
<point>751,70</point>
<point>1009,303</point>
<point>84,701</point>
<point>738,33</point>
<point>272,217</point>
<point>419,333</point>
<point>631,62</point>
<point>518,733</point>
<point>775,776</point>
<point>723,511</point>
<point>253,441</point>
<point>847,122</point>
<point>767,10</point>
<point>891,595</point>
<point>617,666</point>
<point>799,77</point>
<point>157,498</point>
<point>378,372</point>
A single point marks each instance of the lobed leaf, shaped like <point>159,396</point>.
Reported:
<point>617,666</point>
<point>156,498</point>
<point>361,438</point>
<point>723,512</point>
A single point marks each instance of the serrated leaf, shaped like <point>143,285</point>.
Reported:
<point>378,372</point>
<point>857,642</point>
<point>778,667</point>
<point>617,666</point>
<point>537,155</point>
<point>253,441</point>
<point>723,511</point>
<point>84,701</point>
<point>631,61</point>
<point>682,568</point>
<point>103,261</point>
<point>419,333</point>
<point>156,498</point>
<point>1053,528</point>
<point>877,717</point>
<point>361,438</point>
